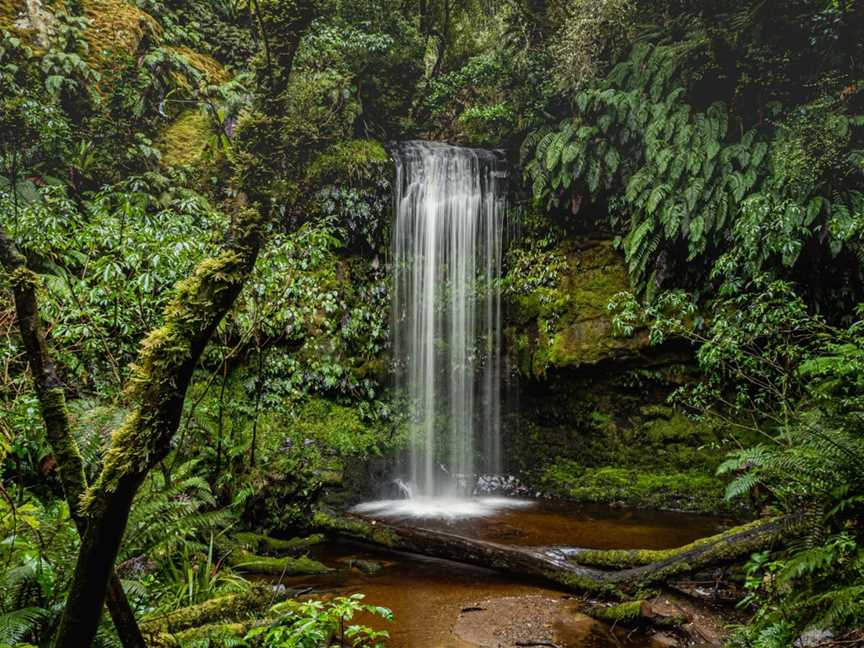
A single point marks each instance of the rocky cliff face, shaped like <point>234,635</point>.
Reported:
<point>593,421</point>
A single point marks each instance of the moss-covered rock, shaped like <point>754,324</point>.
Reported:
<point>116,27</point>
<point>185,139</point>
<point>566,322</point>
<point>212,70</point>
<point>608,435</point>
<point>692,490</point>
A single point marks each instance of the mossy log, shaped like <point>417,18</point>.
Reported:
<point>626,558</point>
<point>246,561</point>
<point>257,542</point>
<point>226,609</point>
<point>563,565</point>
<point>202,635</point>
<point>633,613</point>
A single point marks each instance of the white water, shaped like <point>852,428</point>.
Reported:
<point>452,508</point>
<point>447,242</point>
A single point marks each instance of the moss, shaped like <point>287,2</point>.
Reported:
<point>221,609</point>
<point>579,583</point>
<point>186,139</point>
<point>198,304</point>
<point>621,558</point>
<point>258,542</point>
<point>213,71</point>
<point>22,278</point>
<point>207,635</point>
<point>354,161</point>
<point>680,490</point>
<point>622,612</point>
<point>353,527</point>
<point>247,561</point>
<point>15,19</point>
<point>570,317</point>
<point>116,26</point>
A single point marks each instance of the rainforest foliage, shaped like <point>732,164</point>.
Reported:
<point>206,183</point>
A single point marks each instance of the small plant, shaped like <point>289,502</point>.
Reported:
<point>320,624</point>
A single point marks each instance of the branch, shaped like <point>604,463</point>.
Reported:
<point>52,403</point>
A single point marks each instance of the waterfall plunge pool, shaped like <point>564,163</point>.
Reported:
<point>439,508</point>
<point>438,603</point>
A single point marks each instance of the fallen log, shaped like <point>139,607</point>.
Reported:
<point>563,565</point>
<point>258,542</point>
<point>223,609</point>
<point>246,561</point>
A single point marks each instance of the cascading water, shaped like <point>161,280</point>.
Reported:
<point>447,243</point>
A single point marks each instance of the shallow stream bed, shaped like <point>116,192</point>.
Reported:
<point>438,603</point>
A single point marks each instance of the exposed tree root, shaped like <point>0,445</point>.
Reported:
<point>627,570</point>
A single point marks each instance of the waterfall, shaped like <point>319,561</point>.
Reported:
<point>447,242</point>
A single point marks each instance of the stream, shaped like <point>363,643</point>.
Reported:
<point>442,603</point>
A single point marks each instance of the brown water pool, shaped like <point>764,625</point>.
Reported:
<point>592,526</point>
<point>437,603</point>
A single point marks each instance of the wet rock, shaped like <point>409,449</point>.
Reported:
<point>368,567</point>
<point>815,637</point>
<point>500,485</point>
<point>577,629</point>
<point>664,641</point>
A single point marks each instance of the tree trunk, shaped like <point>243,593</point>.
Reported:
<point>168,357</point>
<point>52,402</point>
<point>563,566</point>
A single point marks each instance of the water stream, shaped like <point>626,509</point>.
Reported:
<point>447,243</point>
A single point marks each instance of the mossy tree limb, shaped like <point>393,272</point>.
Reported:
<point>560,565</point>
<point>52,404</point>
<point>156,390</point>
<point>268,544</point>
<point>167,359</point>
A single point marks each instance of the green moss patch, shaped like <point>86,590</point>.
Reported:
<point>116,26</point>
<point>257,542</point>
<point>566,322</point>
<point>185,140</point>
<point>351,162</point>
<point>679,490</point>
